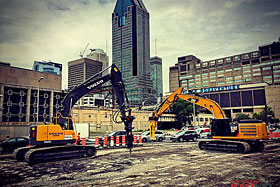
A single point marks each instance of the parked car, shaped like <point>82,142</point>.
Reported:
<point>114,134</point>
<point>184,136</point>
<point>159,135</point>
<point>9,145</point>
<point>205,135</point>
<point>201,130</point>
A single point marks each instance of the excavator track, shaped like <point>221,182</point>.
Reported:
<point>46,154</point>
<point>225,146</point>
<point>20,152</point>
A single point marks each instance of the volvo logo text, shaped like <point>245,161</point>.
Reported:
<point>95,84</point>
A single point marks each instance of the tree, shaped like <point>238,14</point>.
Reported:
<point>183,111</point>
<point>242,116</point>
<point>261,115</point>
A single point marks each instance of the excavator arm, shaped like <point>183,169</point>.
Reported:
<point>115,77</point>
<point>161,109</point>
<point>209,104</point>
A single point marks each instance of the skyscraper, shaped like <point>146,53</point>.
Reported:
<point>156,74</point>
<point>131,49</point>
<point>82,69</point>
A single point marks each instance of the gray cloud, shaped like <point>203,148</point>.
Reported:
<point>58,30</point>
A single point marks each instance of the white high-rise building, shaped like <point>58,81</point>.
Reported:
<point>101,56</point>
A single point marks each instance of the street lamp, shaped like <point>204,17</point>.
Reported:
<point>41,78</point>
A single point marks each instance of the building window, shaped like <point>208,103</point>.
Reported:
<point>205,85</point>
<point>228,78</point>
<point>228,59</point>
<point>266,68</point>
<point>204,64</point>
<point>247,75</point>
<point>229,82</point>
<point>238,77</point>
<point>255,54</point>
<point>236,58</point>
<point>212,80</point>
<point>228,70</point>
<point>267,77</point>
<point>221,83</point>
<point>198,66</point>
<point>183,68</point>
<point>212,63</point>
<point>237,81</point>
<point>237,69</point>
<point>220,61</point>
<point>256,74</point>
<point>245,56</point>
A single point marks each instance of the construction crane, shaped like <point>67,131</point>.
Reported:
<point>82,53</point>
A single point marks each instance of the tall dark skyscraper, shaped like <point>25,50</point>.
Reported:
<point>131,49</point>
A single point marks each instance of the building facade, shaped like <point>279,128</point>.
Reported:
<point>101,56</point>
<point>156,74</point>
<point>254,73</point>
<point>18,99</point>
<point>82,69</point>
<point>47,67</point>
<point>131,49</point>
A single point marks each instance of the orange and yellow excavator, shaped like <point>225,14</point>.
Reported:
<point>243,136</point>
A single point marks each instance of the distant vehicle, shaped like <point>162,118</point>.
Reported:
<point>114,134</point>
<point>201,130</point>
<point>159,135</point>
<point>205,135</point>
<point>9,145</point>
<point>185,136</point>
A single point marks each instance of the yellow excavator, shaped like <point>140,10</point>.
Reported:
<point>57,139</point>
<point>243,136</point>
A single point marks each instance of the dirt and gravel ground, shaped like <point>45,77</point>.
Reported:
<point>154,164</point>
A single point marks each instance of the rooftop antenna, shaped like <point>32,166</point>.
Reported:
<point>156,45</point>
<point>82,53</point>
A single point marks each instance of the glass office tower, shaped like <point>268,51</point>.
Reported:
<point>131,49</point>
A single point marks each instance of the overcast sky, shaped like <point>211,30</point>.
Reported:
<point>57,30</point>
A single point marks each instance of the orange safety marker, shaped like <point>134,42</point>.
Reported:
<point>117,141</point>
<point>83,141</point>
<point>105,141</point>
<point>112,144</point>
<point>140,140</point>
<point>134,140</point>
<point>97,141</point>
<point>123,141</point>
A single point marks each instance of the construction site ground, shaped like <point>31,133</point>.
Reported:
<point>154,164</point>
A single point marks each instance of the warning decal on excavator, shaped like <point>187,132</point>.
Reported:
<point>193,100</point>
<point>116,70</point>
<point>67,137</point>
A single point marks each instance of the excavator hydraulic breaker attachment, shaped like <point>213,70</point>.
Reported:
<point>128,127</point>
<point>152,124</point>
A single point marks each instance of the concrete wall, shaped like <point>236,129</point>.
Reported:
<point>273,98</point>
<point>13,131</point>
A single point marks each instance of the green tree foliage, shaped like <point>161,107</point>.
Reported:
<point>183,111</point>
<point>261,115</point>
<point>242,116</point>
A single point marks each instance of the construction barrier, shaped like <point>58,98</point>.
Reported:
<point>140,140</point>
<point>134,140</point>
<point>112,143</point>
<point>105,141</point>
<point>96,142</point>
<point>83,141</point>
<point>117,141</point>
<point>274,134</point>
<point>123,141</point>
